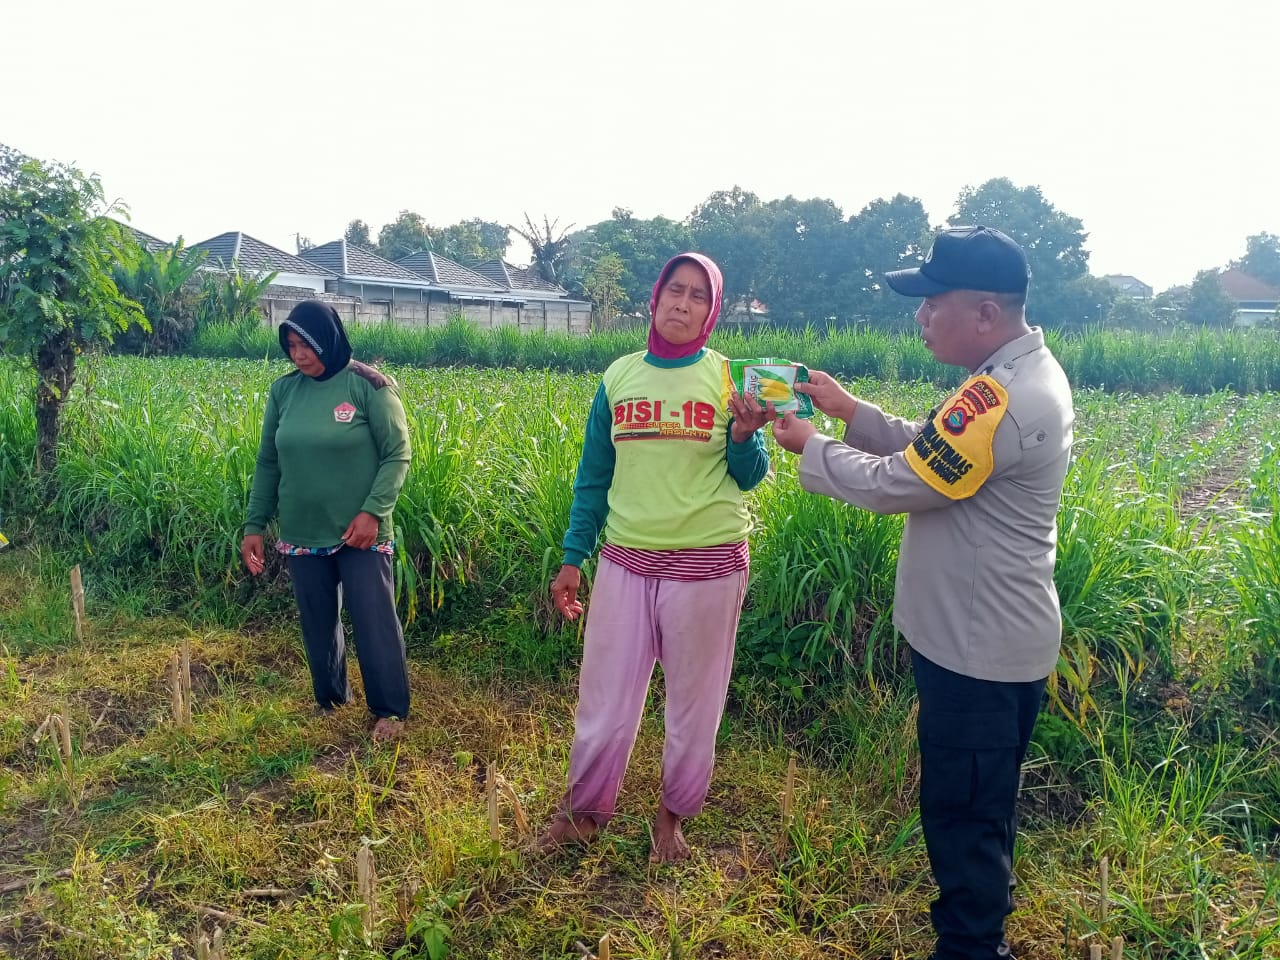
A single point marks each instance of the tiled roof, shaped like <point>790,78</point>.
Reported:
<point>144,239</point>
<point>446,273</point>
<point>1126,283</point>
<point>1242,287</point>
<point>519,278</point>
<point>356,263</point>
<point>252,254</point>
<point>496,271</point>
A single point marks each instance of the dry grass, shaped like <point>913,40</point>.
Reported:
<point>254,818</point>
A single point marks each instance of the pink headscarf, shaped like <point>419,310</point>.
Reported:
<point>659,346</point>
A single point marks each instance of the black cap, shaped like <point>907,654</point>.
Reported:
<point>966,258</point>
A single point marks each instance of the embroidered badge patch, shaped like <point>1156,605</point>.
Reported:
<point>344,413</point>
<point>952,454</point>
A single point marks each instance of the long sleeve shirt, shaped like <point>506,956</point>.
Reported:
<point>980,481</point>
<point>660,469</point>
<point>330,449</point>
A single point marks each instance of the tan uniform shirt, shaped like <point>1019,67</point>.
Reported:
<point>980,481</point>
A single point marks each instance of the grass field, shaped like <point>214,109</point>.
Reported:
<point>1158,756</point>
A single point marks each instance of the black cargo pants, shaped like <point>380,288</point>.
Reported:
<point>973,735</point>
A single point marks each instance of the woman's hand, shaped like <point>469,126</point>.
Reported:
<point>828,396</point>
<point>362,532</point>
<point>251,552</point>
<point>564,591</point>
<point>748,415</point>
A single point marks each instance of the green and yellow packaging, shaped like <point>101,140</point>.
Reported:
<point>767,379</point>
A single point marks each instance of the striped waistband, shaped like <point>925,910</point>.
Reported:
<point>691,563</point>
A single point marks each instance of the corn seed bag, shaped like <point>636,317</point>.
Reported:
<point>767,379</point>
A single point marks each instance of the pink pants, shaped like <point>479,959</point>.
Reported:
<point>687,626</point>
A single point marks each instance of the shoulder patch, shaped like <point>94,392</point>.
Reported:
<point>952,454</point>
<point>379,380</point>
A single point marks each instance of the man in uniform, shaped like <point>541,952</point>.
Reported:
<point>980,480</point>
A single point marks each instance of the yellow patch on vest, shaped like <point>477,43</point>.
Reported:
<point>952,454</point>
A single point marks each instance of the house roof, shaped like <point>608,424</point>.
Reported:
<point>144,239</point>
<point>1125,281</point>
<point>1241,287</point>
<point>352,262</point>
<point>250,253</point>
<point>519,278</point>
<point>444,272</point>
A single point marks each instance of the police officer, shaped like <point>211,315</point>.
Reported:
<point>980,480</point>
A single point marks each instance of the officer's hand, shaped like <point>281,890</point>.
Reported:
<point>251,552</point>
<point>564,591</point>
<point>792,433</point>
<point>828,396</point>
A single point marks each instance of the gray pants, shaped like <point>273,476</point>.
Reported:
<point>364,577</point>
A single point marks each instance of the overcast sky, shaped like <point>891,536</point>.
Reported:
<point>1156,123</point>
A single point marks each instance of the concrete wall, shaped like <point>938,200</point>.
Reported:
<point>556,316</point>
<point>302,280</point>
<point>433,308</point>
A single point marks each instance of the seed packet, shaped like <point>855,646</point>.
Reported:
<point>768,379</point>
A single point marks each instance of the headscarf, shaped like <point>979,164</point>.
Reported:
<point>319,325</point>
<point>659,346</point>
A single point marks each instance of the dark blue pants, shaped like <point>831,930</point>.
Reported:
<point>973,736</point>
<point>361,578</point>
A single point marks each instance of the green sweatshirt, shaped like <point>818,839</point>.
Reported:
<point>330,449</point>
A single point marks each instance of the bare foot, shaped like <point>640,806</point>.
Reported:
<point>388,728</point>
<point>669,844</point>
<point>564,831</point>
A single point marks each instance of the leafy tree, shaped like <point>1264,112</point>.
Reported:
<point>1262,258</point>
<point>1053,241</point>
<point>808,253</point>
<point>357,233</point>
<point>1208,305</point>
<point>641,246</point>
<point>1127,313</point>
<point>492,239</point>
<point>160,282</point>
<point>730,227</point>
<point>886,235</point>
<point>603,285</point>
<point>470,241</point>
<point>232,298</point>
<point>550,249</point>
<point>57,295</point>
<point>407,233</point>
<point>1079,303</point>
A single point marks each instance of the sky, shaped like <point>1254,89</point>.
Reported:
<point>1156,123</point>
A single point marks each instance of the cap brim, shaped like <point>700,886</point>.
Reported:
<point>913,283</point>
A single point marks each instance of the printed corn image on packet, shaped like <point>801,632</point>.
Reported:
<point>767,379</point>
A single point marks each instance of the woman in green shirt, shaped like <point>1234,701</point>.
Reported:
<point>333,457</point>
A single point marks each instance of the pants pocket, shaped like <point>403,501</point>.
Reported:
<point>968,765</point>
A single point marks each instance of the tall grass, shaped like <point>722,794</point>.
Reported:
<point>158,457</point>
<point>1193,362</point>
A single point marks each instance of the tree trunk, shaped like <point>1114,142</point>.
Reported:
<point>55,373</point>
